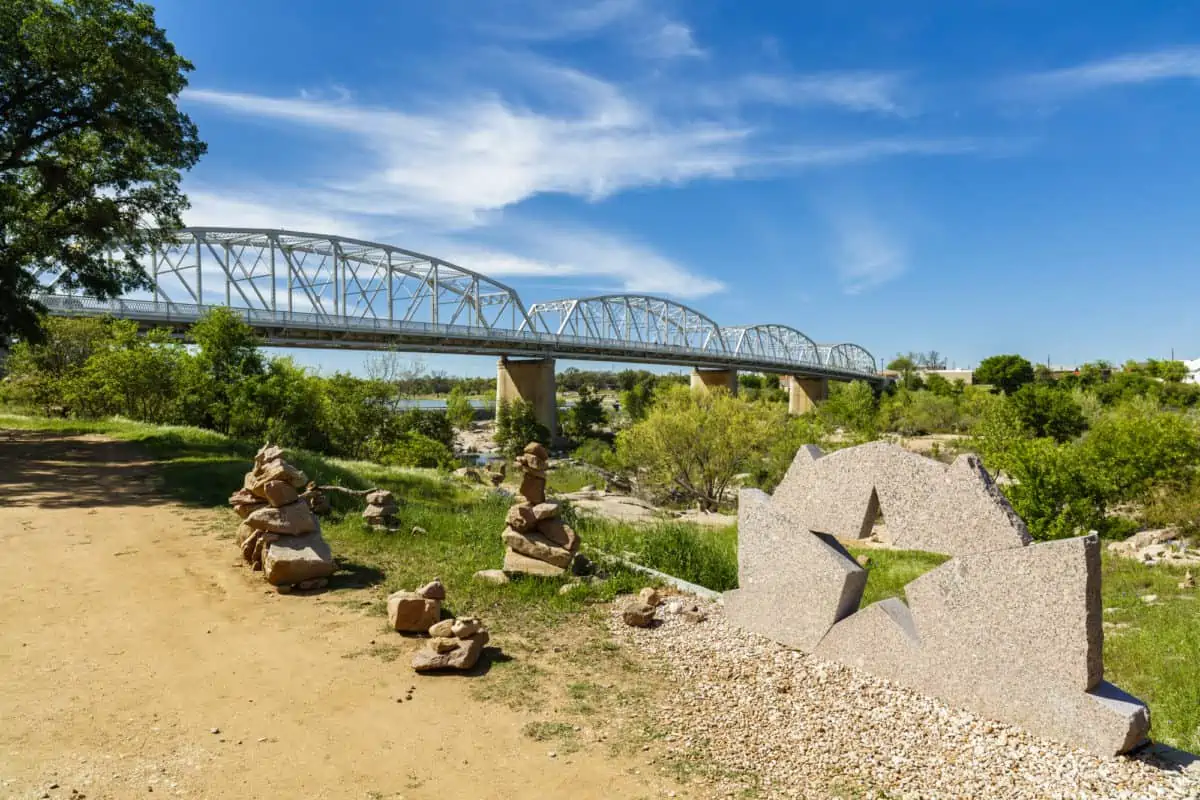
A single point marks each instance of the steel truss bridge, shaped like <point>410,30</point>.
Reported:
<point>311,290</point>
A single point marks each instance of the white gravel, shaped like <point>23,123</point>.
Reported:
<point>807,728</point>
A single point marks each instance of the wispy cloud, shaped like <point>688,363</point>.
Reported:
<point>874,92</point>
<point>644,28</point>
<point>1135,68</point>
<point>867,256</point>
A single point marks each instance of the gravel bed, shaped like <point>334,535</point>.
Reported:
<point>796,726</point>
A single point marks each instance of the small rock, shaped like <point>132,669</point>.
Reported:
<point>637,614</point>
<point>864,560</point>
<point>441,645</point>
<point>215,731</point>
<point>434,590</point>
<point>1149,598</point>
<point>417,530</point>
<point>649,596</point>
<point>582,565</point>
<point>1188,581</point>
<point>442,630</point>
<point>466,627</point>
<point>496,576</point>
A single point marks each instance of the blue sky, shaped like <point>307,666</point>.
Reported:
<point>972,178</point>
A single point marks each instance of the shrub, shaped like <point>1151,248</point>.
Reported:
<point>585,416</point>
<point>459,411</point>
<point>851,406</point>
<point>1047,411</point>
<point>413,449</point>
<point>597,452</point>
<point>517,426</point>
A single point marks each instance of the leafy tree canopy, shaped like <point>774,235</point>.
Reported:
<point>1007,373</point>
<point>91,147</point>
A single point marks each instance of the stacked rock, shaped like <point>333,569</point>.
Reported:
<point>453,644</point>
<point>279,534</point>
<point>539,542</point>
<point>416,612</point>
<point>381,509</point>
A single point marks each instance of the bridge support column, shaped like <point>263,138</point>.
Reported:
<point>705,379</point>
<point>531,380</point>
<point>805,393</point>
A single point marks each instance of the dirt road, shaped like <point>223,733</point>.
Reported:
<point>138,658</point>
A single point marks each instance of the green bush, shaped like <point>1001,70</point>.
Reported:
<point>851,406</point>
<point>459,411</point>
<point>517,426</point>
<point>597,452</point>
<point>1048,411</point>
<point>413,449</point>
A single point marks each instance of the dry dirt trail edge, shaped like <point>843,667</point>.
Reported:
<point>130,632</point>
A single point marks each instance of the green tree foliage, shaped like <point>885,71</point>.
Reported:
<point>40,373</point>
<point>91,147</point>
<point>212,382</point>
<point>131,375</point>
<point>1007,373</point>
<point>459,410</point>
<point>913,413</point>
<point>851,406</point>
<point>517,426</point>
<point>585,416</point>
<point>413,449</point>
<point>691,444</point>
<point>1047,411</point>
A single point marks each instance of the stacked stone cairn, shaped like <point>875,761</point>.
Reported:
<point>453,643</point>
<point>539,542</point>
<point>279,534</point>
<point>317,500</point>
<point>381,510</point>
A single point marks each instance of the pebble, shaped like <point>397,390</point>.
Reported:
<point>837,731</point>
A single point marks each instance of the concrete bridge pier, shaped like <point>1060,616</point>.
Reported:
<point>531,380</point>
<point>805,393</point>
<point>705,379</point>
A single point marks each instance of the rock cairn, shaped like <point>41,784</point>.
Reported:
<point>381,510</point>
<point>453,644</point>
<point>280,534</point>
<point>316,498</point>
<point>538,541</point>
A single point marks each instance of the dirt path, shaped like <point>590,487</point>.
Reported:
<point>130,632</point>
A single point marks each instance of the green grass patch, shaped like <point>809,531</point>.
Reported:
<point>705,556</point>
<point>566,478</point>
<point>889,571</point>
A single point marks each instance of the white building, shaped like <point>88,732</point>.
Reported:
<point>1193,368</point>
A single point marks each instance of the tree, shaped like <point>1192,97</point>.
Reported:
<point>1047,411</point>
<point>91,148</point>
<point>459,410</point>
<point>582,419</point>
<point>39,373</point>
<point>228,356</point>
<point>134,376</point>
<point>1007,373</point>
<point>517,426</point>
<point>693,443</point>
<point>852,406</point>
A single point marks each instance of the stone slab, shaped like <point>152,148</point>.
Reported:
<point>1014,635</point>
<point>533,489</point>
<point>837,497</point>
<point>292,559</point>
<point>464,655</point>
<point>965,513</point>
<point>515,563</point>
<point>280,493</point>
<point>535,545</point>
<point>793,584</point>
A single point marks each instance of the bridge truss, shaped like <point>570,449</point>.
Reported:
<point>314,290</point>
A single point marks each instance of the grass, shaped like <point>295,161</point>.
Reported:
<point>566,478</point>
<point>1151,650</point>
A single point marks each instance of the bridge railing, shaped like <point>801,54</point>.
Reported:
<point>168,312</point>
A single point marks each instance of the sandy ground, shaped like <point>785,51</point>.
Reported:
<point>138,658</point>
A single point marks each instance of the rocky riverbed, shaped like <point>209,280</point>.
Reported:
<point>759,715</point>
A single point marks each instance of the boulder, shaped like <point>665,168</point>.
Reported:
<point>559,534</point>
<point>537,546</point>
<point>516,563</point>
<point>496,576</point>
<point>465,654</point>
<point>545,511</point>
<point>409,612</point>
<point>267,453</point>
<point>533,489</point>
<point>434,590</point>
<point>295,559</point>
<point>280,493</point>
<point>521,518</point>
<point>293,519</point>
<point>444,629</point>
<point>637,614</point>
